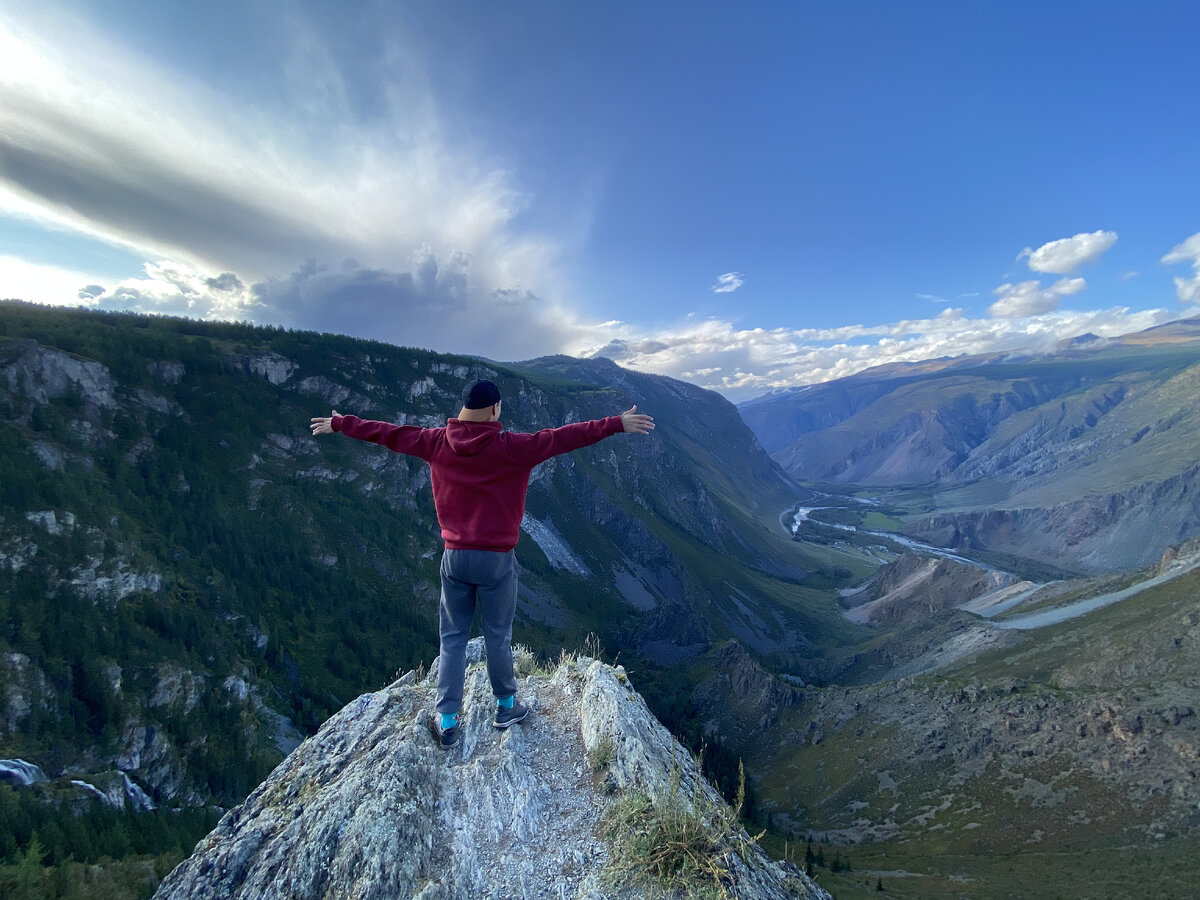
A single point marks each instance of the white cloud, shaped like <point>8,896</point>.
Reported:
<point>178,289</point>
<point>112,146</point>
<point>1028,298</point>
<point>1064,256</point>
<point>744,363</point>
<point>48,285</point>
<point>728,283</point>
<point>1187,289</point>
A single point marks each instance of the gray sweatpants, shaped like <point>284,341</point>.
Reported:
<point>489,580</point>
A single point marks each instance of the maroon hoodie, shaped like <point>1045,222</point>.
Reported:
<point>479,471</point>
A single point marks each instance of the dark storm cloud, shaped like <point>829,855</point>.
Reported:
<point>226,282</point>
<point>436,305</point>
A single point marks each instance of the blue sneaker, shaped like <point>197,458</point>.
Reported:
<point>510,715</point>
<point>447,737</point>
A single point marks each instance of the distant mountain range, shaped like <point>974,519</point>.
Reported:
<point>1084,457</point>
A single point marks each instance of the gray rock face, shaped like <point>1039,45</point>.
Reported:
<point>371,806</point>
<point>43,373</point>
<point>20,772</point>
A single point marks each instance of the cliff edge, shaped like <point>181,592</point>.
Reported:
<point>590,797</point>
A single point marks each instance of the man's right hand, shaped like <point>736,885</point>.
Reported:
<point>636,423</point>
<point>322,424</point>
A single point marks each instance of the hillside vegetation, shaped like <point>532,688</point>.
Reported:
<point>190,583</point>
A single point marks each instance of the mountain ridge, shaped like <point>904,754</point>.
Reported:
<point>1089,445</point>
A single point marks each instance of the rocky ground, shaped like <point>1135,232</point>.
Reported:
<point>372,807</point>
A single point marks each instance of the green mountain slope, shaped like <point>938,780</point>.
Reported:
<point>189,581</point>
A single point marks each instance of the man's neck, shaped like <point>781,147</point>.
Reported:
<point>487,414</point>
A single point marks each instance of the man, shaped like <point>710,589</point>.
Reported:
<point>480,474</point>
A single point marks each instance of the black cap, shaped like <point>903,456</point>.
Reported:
<point>480,395</point>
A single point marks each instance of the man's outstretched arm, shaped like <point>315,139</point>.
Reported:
<point>409,439</point>
<point>541,445</point>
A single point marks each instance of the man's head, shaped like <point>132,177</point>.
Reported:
<point>481,402</point>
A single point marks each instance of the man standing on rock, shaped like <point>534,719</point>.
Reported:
<point>480,474</point>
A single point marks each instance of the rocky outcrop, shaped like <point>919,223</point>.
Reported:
<point>370,806</point>
<point>914,587</point>
<point>42,374</point>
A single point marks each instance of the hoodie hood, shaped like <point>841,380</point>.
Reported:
<point>471,438</point>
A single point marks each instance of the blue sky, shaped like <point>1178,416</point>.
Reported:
<point>746,196</point>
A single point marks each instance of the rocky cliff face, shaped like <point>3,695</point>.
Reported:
<point>370,806</point>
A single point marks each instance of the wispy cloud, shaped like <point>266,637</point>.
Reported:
<point>323,220</point>
<point>1064,256</point>
<point>1187,289</point>
<point>728,283</point>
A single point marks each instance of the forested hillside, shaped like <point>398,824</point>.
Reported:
<point>189,582</point>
